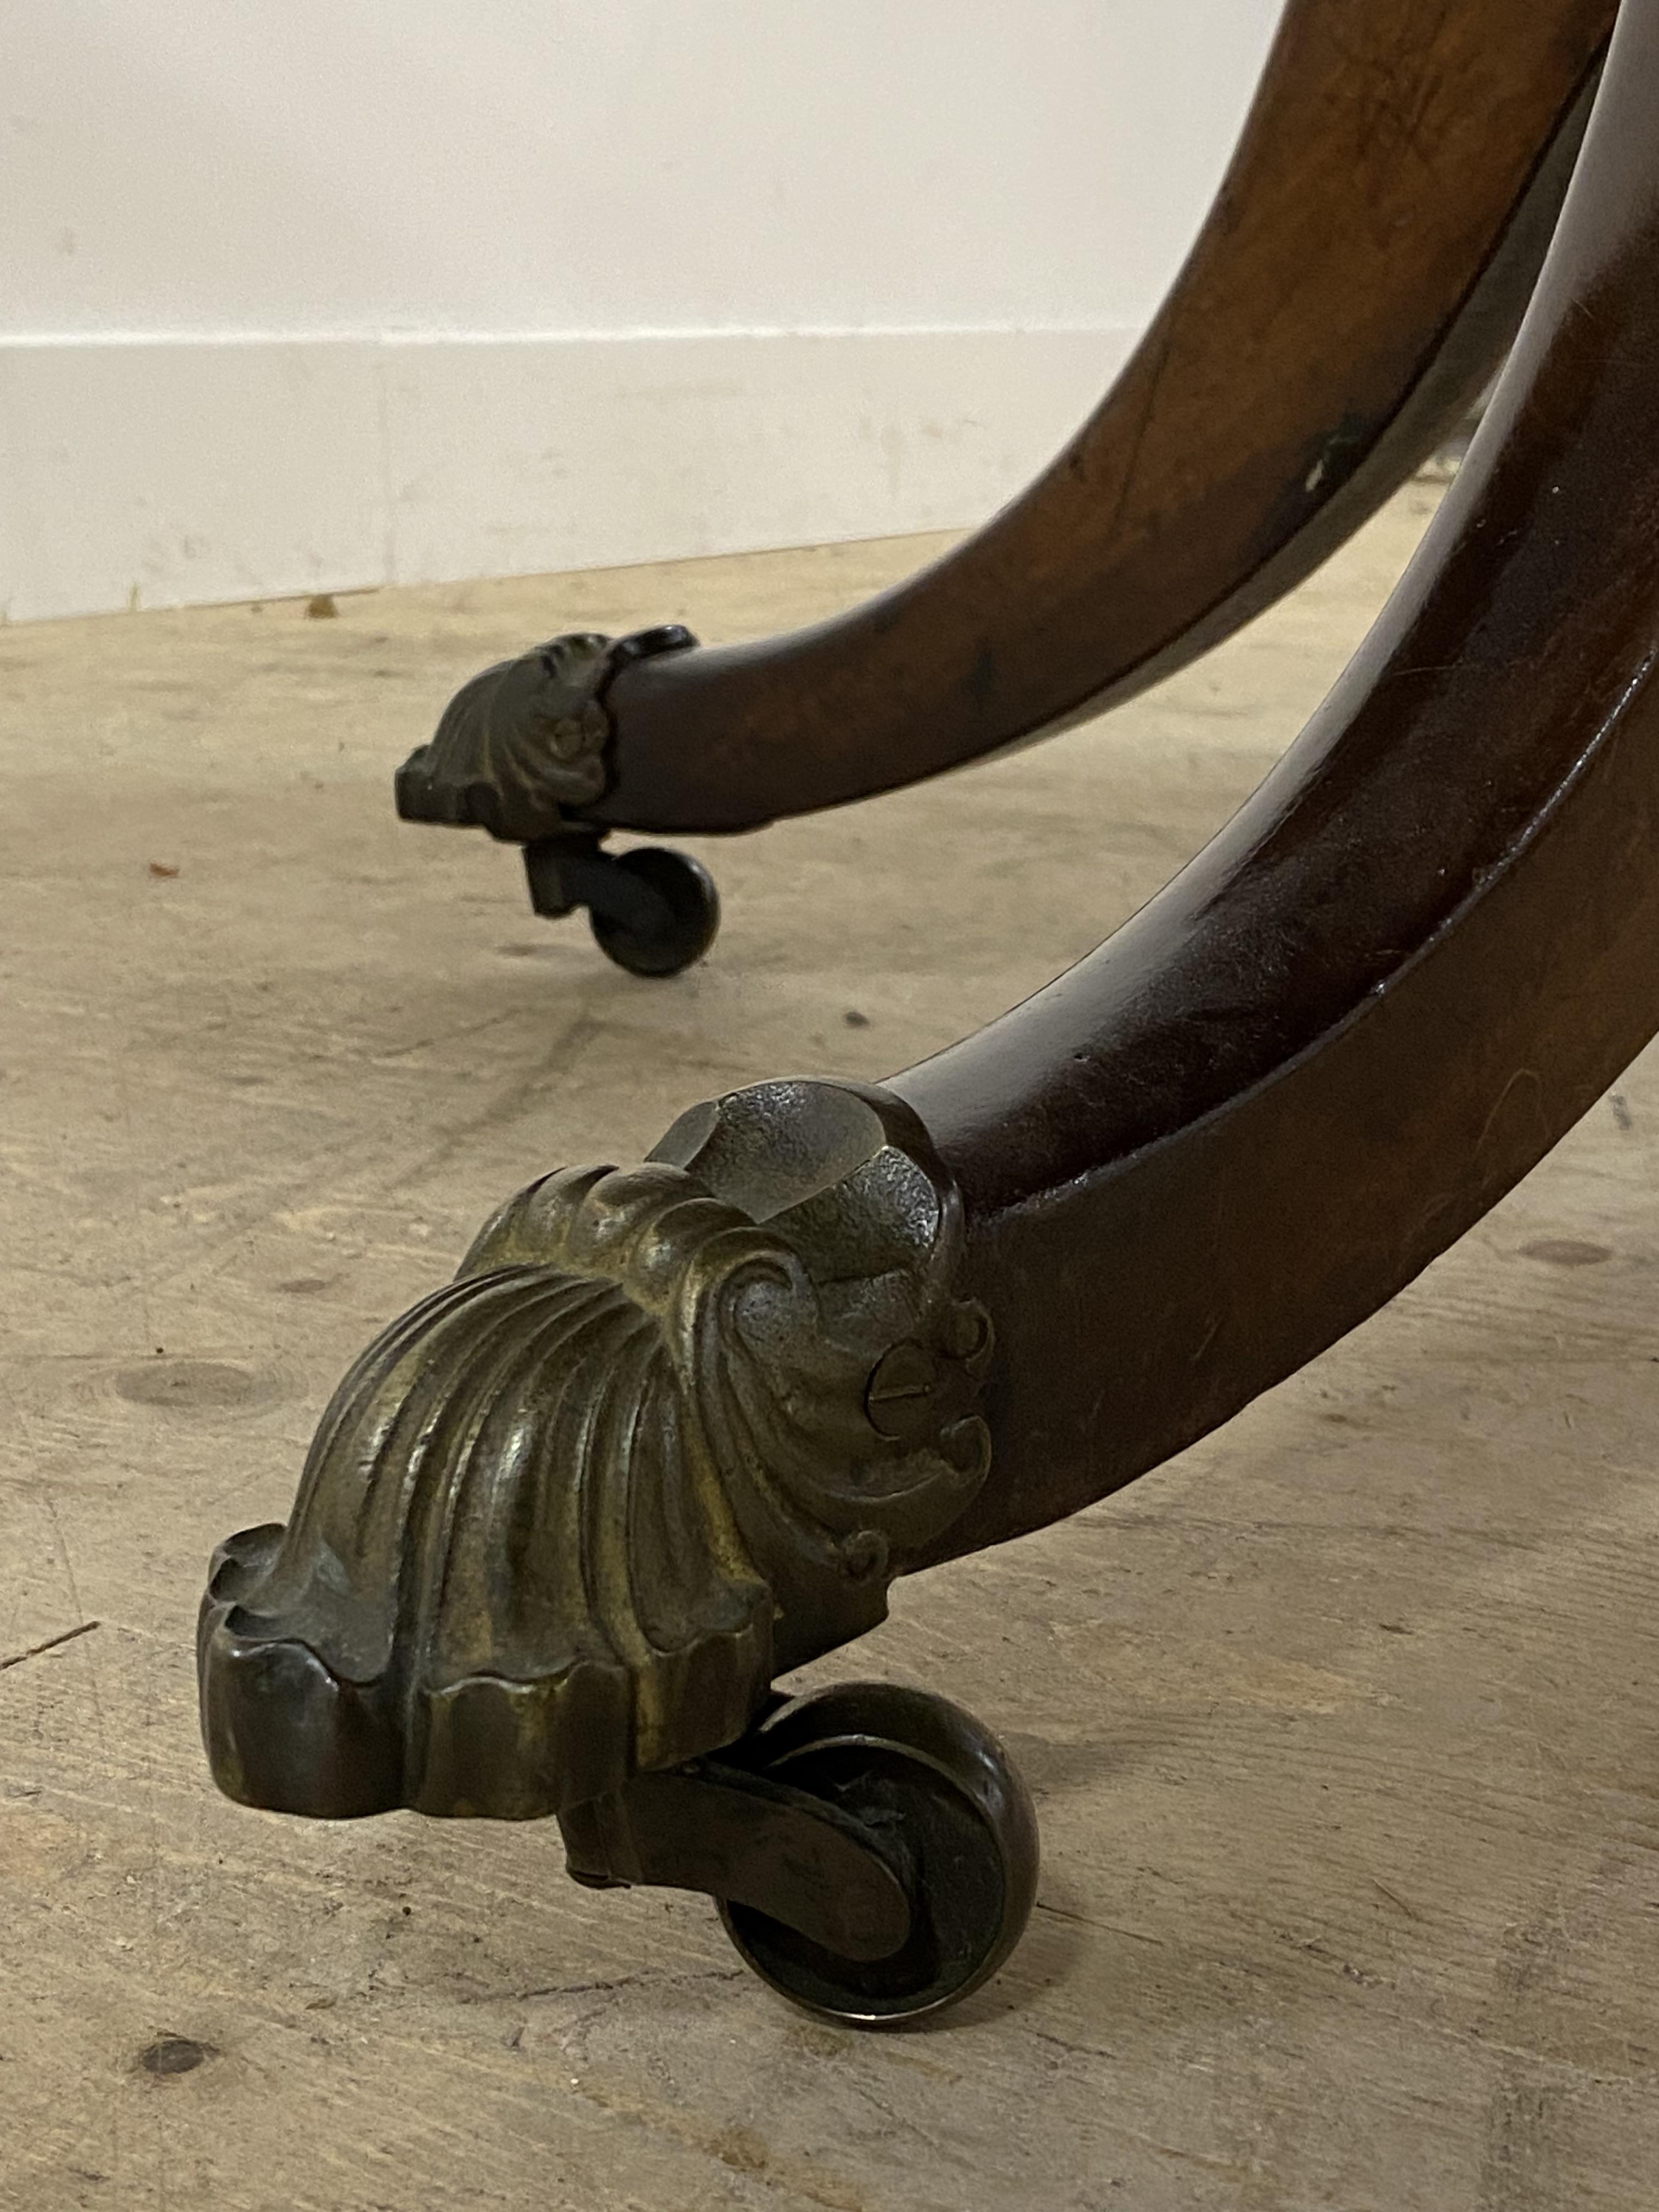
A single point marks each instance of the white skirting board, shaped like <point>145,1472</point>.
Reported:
<point>146,472</point>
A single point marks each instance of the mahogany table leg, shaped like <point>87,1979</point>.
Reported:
<point>674,1429</point>
<point>1361,274</point>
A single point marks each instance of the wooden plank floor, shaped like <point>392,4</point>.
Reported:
<point>1344,1726</point>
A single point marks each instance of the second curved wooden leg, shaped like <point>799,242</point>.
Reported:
<point>1363,268</point>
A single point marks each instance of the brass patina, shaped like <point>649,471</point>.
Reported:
<point>671,1431</point>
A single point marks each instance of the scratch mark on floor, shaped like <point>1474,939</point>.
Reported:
<point>52,1644</point>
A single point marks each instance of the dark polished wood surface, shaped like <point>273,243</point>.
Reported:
<point>1405,969</point>
<point>1370,253</point>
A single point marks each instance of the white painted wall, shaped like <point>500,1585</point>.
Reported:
<point>337,292</point>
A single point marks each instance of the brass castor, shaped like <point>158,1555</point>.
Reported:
<point>668,1435</point>
<point>523,751</point>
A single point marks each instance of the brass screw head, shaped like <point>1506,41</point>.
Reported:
<point>900,1398</point>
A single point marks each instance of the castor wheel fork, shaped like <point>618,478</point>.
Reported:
<point>573,869</point>
<point>743,1839</point>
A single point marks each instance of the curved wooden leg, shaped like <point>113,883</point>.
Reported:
<point>1364,267</point>
<point>675,1429</point>
<point>1360,276</point>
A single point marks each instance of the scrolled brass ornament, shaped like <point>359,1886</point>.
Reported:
<point>525,742</point>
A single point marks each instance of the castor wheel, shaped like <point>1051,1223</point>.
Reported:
<point>674,929</point>
<point>938,1796</point>
<point>652,911</point>
<point>871,1850</point>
